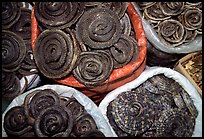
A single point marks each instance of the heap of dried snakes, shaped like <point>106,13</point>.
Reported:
<point>87,40</point>
<point>46,114</point>
<point>159,107</point>
<point>175,22</point>
<point>17,55</point>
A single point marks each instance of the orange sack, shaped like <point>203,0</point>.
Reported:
<point>118,76</point>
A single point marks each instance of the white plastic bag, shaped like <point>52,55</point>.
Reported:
<point>148,73</point>
<point>195,45</point>
<point>66,91</point>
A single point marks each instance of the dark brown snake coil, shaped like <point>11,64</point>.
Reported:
<point>171,32</point>
<point>118,7</point>
<point>13,51</point>
<point>94,67</point>
<point>54,121</point>
<point>123,50</point>
<point>39,100</point>
<point>58,15</point>
<point>171,8</point>
<point>93,133</point>
<point>10,14</point>
<point>133,112</point>
<point>28,65</point>
<point>85,123</point>
<point>10,85</point>
<point>55,53</point>
<point>76,108</point>
<point>15,122</point>
<point>23,26</point>
<point>126,24</point>
<point>98,28</point>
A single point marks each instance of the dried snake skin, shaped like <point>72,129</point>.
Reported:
<point>172,8</point>
<point>93,133</point>
<point>39,100</point>
<point>55,53</point>
<point>171,101</point>
<point>154,12</point>
<point>76,108</point>
<point>190,35</point>
<point>92,4</point>
<point>194,4</point>
<point>54,121</point>
<point>23,26</point>
<point>10,85</point>
<point>98,28</point>
<point>175,123</point>
<point>113,124</point>
<point>133,112</point>
<point>192,18</point>
<point>15,122</point>
<point>118,7</point>
<point>144,5</point>
<point>85,123</point>
<point>28,65</point>
<point>189,104</point>
<point>58,15</point>
<point>123,50</point>
<point>94,67</point>
<point>13,51</point>
<point>126,24</point>
<point>171,32</point>
<point>10,14</point>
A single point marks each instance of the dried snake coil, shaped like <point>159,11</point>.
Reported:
<point>98,28</point>
<point>175,122</point>
<point>133,112</point>
<point>10,85</point>
<point>58,15</point>
<point>55,53</point>
<point>171,32</point>
<point>94,67</point>
<point>172,8</point>
<point>118,7</point>
<point>23,26</point>
<point>15,122</point>
<point>54,121</point>
<point>39,100</point>
<point>85,123</point>
<point>10,14</point>
<point>122,51</point>
<point>13,51</point>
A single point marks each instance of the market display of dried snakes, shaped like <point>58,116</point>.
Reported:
<point>90,46</point>
<point>46,114</point>
<point>159,107</point>
<point>176,23</point>
<point>17,57</point>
